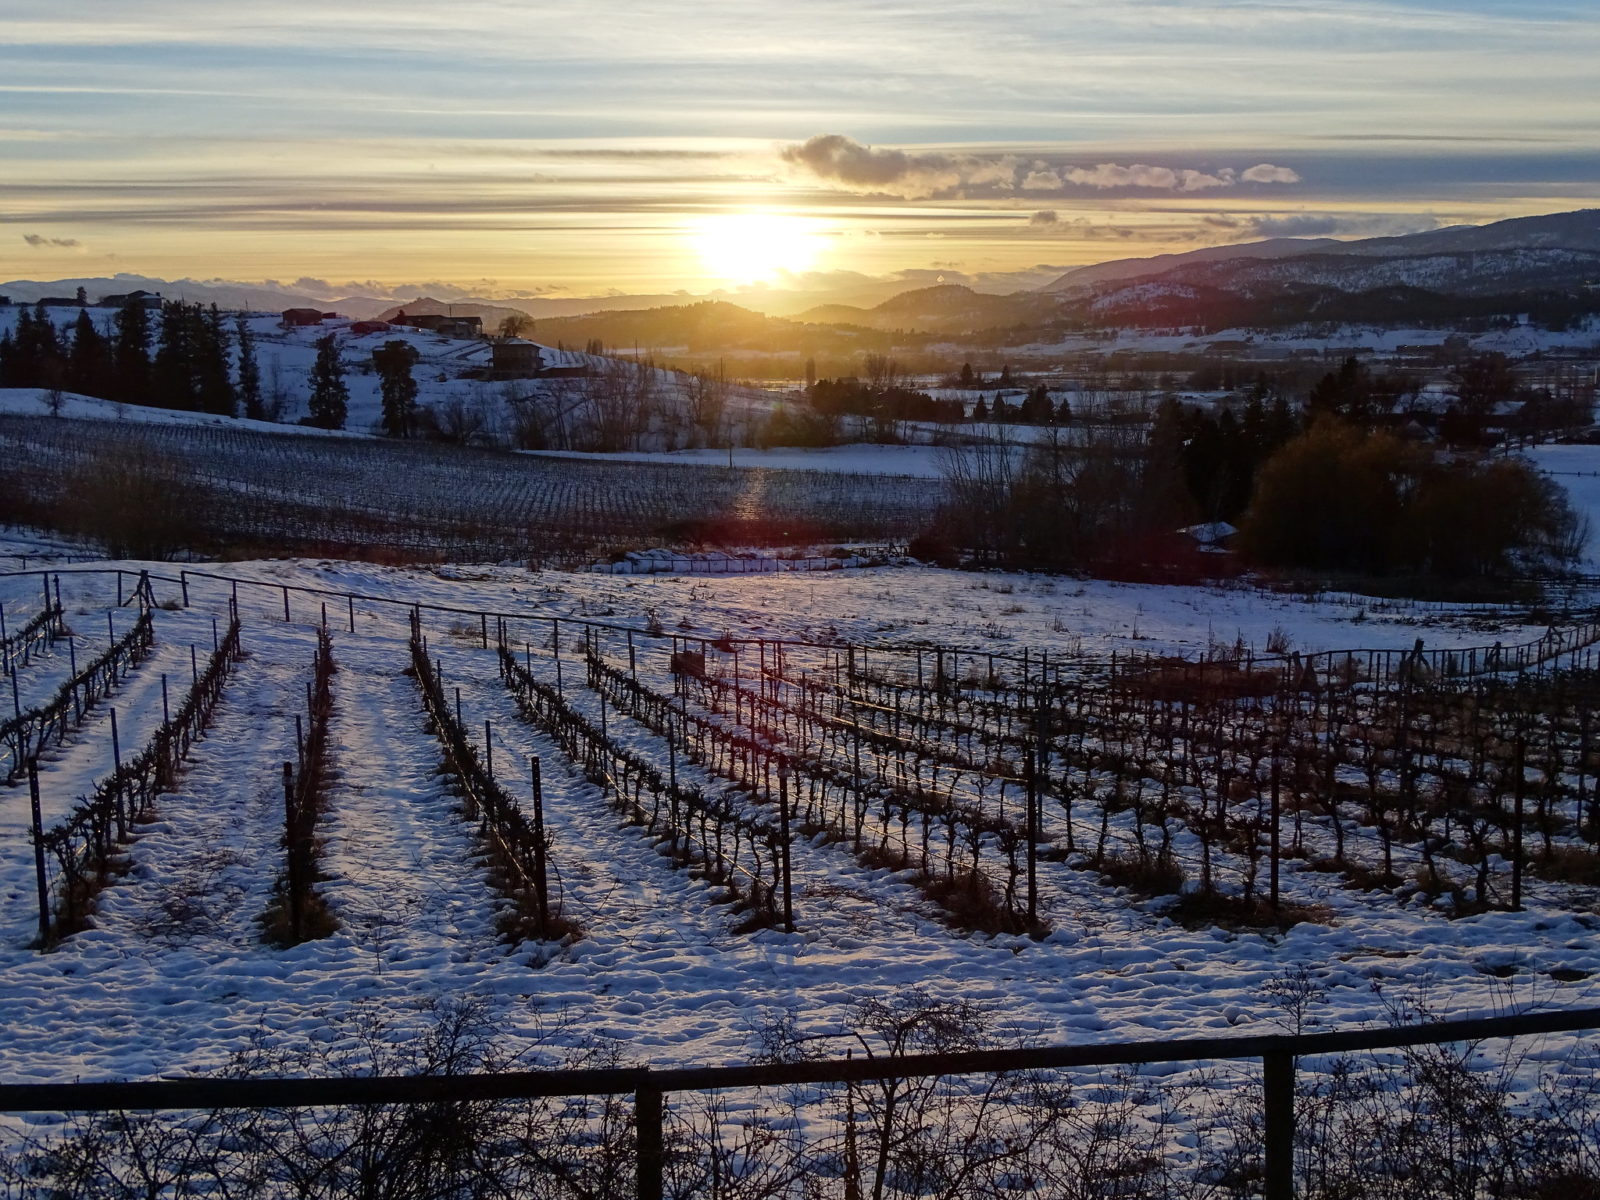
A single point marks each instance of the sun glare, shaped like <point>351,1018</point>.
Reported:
<point>751,247</point>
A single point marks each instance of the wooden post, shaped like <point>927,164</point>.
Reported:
<point>647,1116</point>
<point>166,707</point>
<point>38,853</point>
<point>1516,829</point>
<point>194,664</point>
<point>183,579</point>
<point>1277,1078</point>
<point>488,750</point>
<point>1033,835</point>
<point>286,602</point>
<point>352,603</point>
<point>540,882</point>
<point>291,842</point>
<point>783,818</point>
<point>1277,812</point>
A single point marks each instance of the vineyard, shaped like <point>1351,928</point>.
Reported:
<point>237,810</point>
<point>430,502</point>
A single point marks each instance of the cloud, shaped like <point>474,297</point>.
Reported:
<point>1041,180</point>
<point>1267,173</point>
<point>1341,225</point>
<point>1046,216</point>
<point>40,242</point>
<point>845,162</point>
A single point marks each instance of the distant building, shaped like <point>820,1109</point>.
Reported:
<point>514,358</point>
<point>5,301</point>
<point>58,301</point>
<point>295,318</point>
<point>122,299</point>
<point>359,327</point>
<point>443,324</point>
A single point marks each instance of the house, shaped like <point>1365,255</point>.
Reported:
<point>58,302</point>
<point>443,324</point>
<point>295,318</point>
<point>514,358</point>
<point>122,299</point>
<point>360,327</point>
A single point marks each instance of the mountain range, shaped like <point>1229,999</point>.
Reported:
<point>1546,265</point>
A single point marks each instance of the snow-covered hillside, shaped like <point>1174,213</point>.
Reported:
<point>594,402</point>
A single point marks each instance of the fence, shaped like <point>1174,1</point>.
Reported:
<point>303,786</point>
<point>520,846</point>
<point>22,737</point>
<point>82,842</point>
<point>45,627</point>
<point>676,564</point>
<point>959,666</point>
<point>650,1087</point>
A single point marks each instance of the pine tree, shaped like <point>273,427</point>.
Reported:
<point>249,372</point>
<point>173,373</point>
<point>130,355</point>
<point>330,398</point>
<point>967,377</point>
<point>89,362</point>
<point>213,384</point>
<point>394,362</point>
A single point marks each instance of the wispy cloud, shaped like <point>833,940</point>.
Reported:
<point>39,242</point>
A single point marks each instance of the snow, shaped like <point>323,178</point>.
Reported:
<point>173,978</point>
<point>1576,468</point>
<point>920,462</point>
<point>33,402</point>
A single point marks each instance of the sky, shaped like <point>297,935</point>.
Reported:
<point>568,148</point>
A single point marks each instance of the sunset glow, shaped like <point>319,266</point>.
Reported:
<point>757,247</point>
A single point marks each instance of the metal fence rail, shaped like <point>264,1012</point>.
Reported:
<point>649,1086</point>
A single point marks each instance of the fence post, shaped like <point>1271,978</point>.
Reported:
<point>292,843</point>
<point>38,853</point>
<point>783,816</point>
<point>1277,1079</point>
<point>647,1118</point>
<point>541,883</point>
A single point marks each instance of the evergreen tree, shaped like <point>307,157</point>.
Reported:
<point>1005,375</point>
<point>979,412</point>
<point>1036,407</point>
<point>89,370</point>
<point>1064,412</point>
<point>213,384</point>
<point>967,378</point>
<point>130,355</point>
<point>330,398</point>
<point>33,355</point>
<point>394,362</point>
<point>174,379</point>
<point>249,372</point>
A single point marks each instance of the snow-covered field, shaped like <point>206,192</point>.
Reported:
<point>1576,468</point>
<point>173,978</point>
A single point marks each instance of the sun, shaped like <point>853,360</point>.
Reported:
<point>750,247</point>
